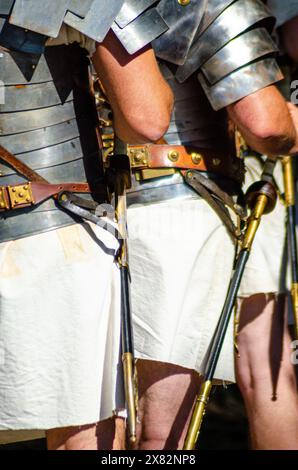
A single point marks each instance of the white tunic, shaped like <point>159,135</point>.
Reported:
<point>181,260</point>
<point>59,330</point>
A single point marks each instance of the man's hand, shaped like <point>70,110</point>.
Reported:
<point>140,97</point>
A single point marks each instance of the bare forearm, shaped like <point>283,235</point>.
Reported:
<point>265,122</point>
<point>140,98</point>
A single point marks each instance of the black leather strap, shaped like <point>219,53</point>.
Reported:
<point>217,199</point>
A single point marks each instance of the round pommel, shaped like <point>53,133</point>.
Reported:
<point>261,188</point>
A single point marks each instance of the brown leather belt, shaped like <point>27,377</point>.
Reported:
<point>153,156</point>
<point>30,193</point>
<point>34,191</point>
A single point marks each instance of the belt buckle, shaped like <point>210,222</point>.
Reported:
<point>139,157</point>
<point>4,204</point>
<point>20,195</point>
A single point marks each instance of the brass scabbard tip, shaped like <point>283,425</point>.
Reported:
<point>132,439</point>
<point>197,416</point>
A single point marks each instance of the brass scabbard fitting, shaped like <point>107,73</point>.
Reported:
<point>197,416</point>
<point>130,394</point>
<point>294,294</point>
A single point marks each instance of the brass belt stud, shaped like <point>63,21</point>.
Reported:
<point>3,203</point>
<point>216,161</point>
<point>196,158</point>
<point>183,2</point>
<point>173,155</point>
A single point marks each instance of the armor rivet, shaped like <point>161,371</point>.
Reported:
<point>26,187</point>
<point>196,158</point>
<point>138,156</point>
<point>173,155</point>
<point>13,190</point>
<point>28,199</point>
<point>183,2</point>
<point>21,194</point>
<point>216,161</point>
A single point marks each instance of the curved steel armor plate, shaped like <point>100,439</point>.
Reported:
<point>242,82</point>
<point>58,138</point>
<point>131,10</point>
<point>239,52</point>
<point>183,22</point>
<point>48,157</point>
<point>16,69</point>
<point>235,20</point>
<point>22,225</point>
<point>140,32</point>
<point>31,97</point>
<point>6,6</point>
<point>22,121</point>
<point>97,21</point>
<point>136,24</point>
<point>41,138</point>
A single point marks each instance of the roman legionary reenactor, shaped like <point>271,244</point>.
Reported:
<point>185,210</point>
<point>60,366</point>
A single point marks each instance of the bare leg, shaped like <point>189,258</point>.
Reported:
<point>106,435</point>
<point>167,394</point>
<point>265,374</point>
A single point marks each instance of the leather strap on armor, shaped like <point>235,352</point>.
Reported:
<point>185,157</point>
<point>33,192</point>
<point>218,200</point>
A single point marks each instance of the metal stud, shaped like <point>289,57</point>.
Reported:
<point>196,158</point>
<point>173,155</point>
<point>216,161</point>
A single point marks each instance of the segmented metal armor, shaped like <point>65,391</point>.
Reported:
<point>48,118</point>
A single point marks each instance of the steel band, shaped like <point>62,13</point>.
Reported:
<point>241,83</point>
<point>5,6</point>
<point>13,123</point>
<point>98,20</point>
<point>16,69</point>
<point>239,52</point>
<point>48,157</point>
<point>236,19</point>
<point>159,189</point>
<point>131,10</point>
<point>41,138</point>
<point>42,17</point>
<point>32,97</point>
<point>19,225</point>
<point>140,32</point>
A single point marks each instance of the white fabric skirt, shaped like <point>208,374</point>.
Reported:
<point>181,259</point>
<point>59,330</point>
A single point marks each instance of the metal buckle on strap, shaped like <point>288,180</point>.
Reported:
<point>139,160</point>
<point>3,198</point>
<point>139,157</point>
<point>20,195</point>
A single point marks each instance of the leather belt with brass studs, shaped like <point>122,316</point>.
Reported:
<point>153,156</point>
<point>29,194</point>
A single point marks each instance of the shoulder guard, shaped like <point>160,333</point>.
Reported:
<point>234,53</point>
<point>131,20</point>
<point>283,11</point>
